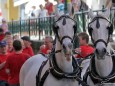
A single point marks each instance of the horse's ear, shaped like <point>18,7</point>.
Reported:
<point>91,14</point>
<point>57,14</point>
<point>106,13</point>
<point>71,10</point>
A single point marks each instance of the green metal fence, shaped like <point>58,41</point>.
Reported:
<point>36,27</point>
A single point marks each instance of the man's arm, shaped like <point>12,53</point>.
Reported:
<point>7,71</point>
<point>2,65</point>
<point>108,3</point>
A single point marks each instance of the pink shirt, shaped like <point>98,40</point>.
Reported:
<point>4,26</point>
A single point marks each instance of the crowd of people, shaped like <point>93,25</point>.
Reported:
<point>50,9</point>
<point>14,51</point>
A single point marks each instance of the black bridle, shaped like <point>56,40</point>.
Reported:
<point>110,30</point>
<point>55,29</point>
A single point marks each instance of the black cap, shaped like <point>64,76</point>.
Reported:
<point>26,38</point>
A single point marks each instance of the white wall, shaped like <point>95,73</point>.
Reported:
<point>3,9</point>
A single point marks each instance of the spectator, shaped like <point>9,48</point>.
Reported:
<point>3,58</point>
<point>43,12</point>
<point>84,49</point>
<point>111,4</point>
<point>15,62</point>
<point>27,46</point>
<point>16,37</point>
<point>49,7</point>
<point>43,20</point>
<point>47,46</point>
<point>32,13</point>
<point>79,5</point>
<point>4,25</point>
<point>10,45</point>
<point>59,7</point>
<point>2,35</point>
<point>8,35</point>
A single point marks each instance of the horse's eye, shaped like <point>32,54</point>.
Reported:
<point>55,27</point>
<point>90,30</point>
<point>75,26</point>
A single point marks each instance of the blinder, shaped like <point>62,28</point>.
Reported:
<point>55,28</point>
<point>110,30</point>
<point>110,27</point>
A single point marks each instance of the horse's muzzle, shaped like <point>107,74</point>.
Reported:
<point>101,52</point>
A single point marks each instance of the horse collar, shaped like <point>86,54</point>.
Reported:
<point>96,78</point>
<point>59,74</point>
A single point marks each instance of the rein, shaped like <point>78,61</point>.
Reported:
<point>58,73</point>
<point>96,78</point>
<point>110,30</point>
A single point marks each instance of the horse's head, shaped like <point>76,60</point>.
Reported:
<point>100,29</point>
<point>65,28</point>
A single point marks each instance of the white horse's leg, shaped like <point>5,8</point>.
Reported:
<point>85,65</point>
<point>31,65</point>
<point>90,82</point>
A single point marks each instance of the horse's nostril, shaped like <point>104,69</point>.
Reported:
<point>70,45</point>
<point>104,50</point>
<point>97,51</point>
<point>64,47</point>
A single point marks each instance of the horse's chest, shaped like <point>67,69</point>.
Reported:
<point>90,83</point>
<point>63,82</point>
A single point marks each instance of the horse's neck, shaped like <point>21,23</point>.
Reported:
<point>104,67</point>
<point>62,63</point>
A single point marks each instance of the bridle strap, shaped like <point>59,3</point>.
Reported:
<point>100,40</point>
<point>64,38</point>
<point>99,17</point>
<point>64,16</point>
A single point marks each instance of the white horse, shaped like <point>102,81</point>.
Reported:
<point>101,71</point>
<point>60,69</point>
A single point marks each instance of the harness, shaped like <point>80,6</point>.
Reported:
<point>57,72</point>
<point>95,77</point>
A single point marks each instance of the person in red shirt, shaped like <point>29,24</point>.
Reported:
<point>3,58</point>
<point>2,35</point>
<point>15,62</point>
<point>47,46</point>
<point>85,49</point>
<point>49,7</point>
<point>27,46</point>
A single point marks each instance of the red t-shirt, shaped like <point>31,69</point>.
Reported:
<point>49,7</point>
<point>28,50</point>
<point>10,50</point>
<point>44,49</point>
<point>85,51</point>
<point>14,64</point>
<point>3,74</point>
<point>2,37</point>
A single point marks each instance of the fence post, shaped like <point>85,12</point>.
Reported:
<point>39,28</point>
<point>65,3</point>
<point>20,27</point>
<point>50,25</point>
<point>83,20</point>
<point>29,27</point>
<point>12,26</point>
<point>103,8</point>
